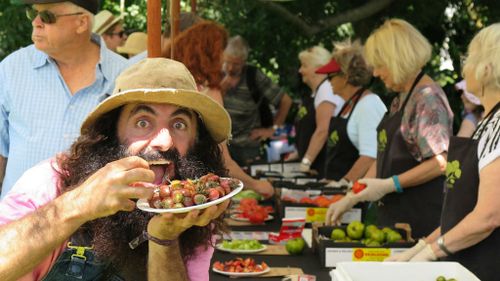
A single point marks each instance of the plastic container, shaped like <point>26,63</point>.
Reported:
<point>397,271</point>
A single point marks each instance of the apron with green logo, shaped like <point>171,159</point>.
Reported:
<point>420,205</point>
<point>341,154</point>
<point>461,191</point>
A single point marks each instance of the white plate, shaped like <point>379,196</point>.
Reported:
<point>242,274</point>
<point>143,204</point>
<point>239,251</point>
<point>238,218</point>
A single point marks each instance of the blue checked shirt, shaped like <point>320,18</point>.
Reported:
<point>39,115</point>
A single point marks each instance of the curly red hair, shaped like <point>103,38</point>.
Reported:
<point>200,48</point>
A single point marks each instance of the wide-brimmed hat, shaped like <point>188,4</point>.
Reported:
<point>137,42</point>
<point>89,5</point>
<point>331,67</point>
<point>160,80</point>
<point>469,96</point>
<point>103,21</point>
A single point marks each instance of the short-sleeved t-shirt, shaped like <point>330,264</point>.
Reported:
<point>488,149</point>
<point>325,94</point>
<point>244,112</point>
<point>427,122</point>
<point>363,123</point>
<point>37,187</point>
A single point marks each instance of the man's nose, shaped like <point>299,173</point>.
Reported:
<point>162,141</point>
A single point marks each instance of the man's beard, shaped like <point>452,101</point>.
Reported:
<point>112,234</point>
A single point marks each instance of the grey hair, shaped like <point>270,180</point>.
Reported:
<point>77,9</point>
<point>237,46</point>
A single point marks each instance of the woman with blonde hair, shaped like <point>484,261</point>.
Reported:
<point>352,141</point>
<point>470,221</point>
<point>412,138</point>
<point>315,111</point>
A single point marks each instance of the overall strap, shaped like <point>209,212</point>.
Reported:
<point>480,129</point>
<point>354,98</point>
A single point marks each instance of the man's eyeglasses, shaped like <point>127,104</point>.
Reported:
<point>120,34</point>
<point>46,16</point>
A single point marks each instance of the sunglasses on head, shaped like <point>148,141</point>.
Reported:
<point>46,16</point>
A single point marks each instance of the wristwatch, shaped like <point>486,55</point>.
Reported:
<point>306,161</point>
<point>275,127</point>
<point>441,246</point>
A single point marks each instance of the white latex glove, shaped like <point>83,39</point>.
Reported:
<point>305,165</point>
<point>375,189</point>
<point>426,254</point>
<point>337,209</point>
<point>338,184</point>
<point>408,254</point>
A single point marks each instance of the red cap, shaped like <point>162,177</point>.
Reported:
<point>331,67</point>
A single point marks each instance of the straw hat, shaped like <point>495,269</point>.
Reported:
<point>160,80</point>
<point>136,43</point>
<point>103,21</point>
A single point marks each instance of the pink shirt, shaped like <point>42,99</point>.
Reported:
<point>37,187</point>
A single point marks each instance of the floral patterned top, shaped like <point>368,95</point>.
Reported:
<point>427,122</point>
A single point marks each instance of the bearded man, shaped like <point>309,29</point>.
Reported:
<point>73,217</point>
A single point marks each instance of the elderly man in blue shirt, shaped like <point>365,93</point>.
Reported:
<point>47,88</point>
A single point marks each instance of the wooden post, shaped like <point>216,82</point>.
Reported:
<point>193,7</point>
<point>175,11</point>
<point>154,28</point>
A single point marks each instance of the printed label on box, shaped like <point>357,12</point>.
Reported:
<point>318,214</point>
<point>335,255</point>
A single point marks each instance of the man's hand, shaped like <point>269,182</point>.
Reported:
<point>168,226</point>
<point>108,190</point>
<point>263,187</point>
<point>261,133</point>
<point>408,254</point>
<point>426,254</point>
<point>375,189</point>
<point>337,209</point>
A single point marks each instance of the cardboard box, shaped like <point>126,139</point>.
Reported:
<point>331,253</point>
<point>311,212</point>
<point>396,271</point>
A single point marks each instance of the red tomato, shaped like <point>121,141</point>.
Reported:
<point>358,187</point>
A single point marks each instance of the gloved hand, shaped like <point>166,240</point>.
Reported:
<point>338,184</point>
<point>408,254</point>
<point>337,209</point>
<point>375,189</point>
<point>305,165</point>
<point>426,254</point>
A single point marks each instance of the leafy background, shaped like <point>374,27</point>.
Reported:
<point>278,30</point>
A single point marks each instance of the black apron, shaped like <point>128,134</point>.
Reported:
<point>420,205</point>
<point>461,191</point>
<point>81,266</point>
<point>341,154</point>
<point>305,127</point>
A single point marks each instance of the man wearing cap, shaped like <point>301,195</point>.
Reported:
<point>73,216</point>
<point>47,88</point>
<point>110,28</point>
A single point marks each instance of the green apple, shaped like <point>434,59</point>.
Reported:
<point>393,236</point>
<point>378,235</point>
<point>387,229</point>
<point>369,229</point>
<point>372,243</point>
<point>355,229</point>
<point>295,246</point>
<point>337,234</point>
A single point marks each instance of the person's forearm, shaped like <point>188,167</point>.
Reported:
<point>28,241</point>
<point>424,172</point>
<point>372,171</point>
<point>165,263</point>
<point>283,108</point>
<point>359,169</point>
<point>316,143</point>
<point>431,238</point>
